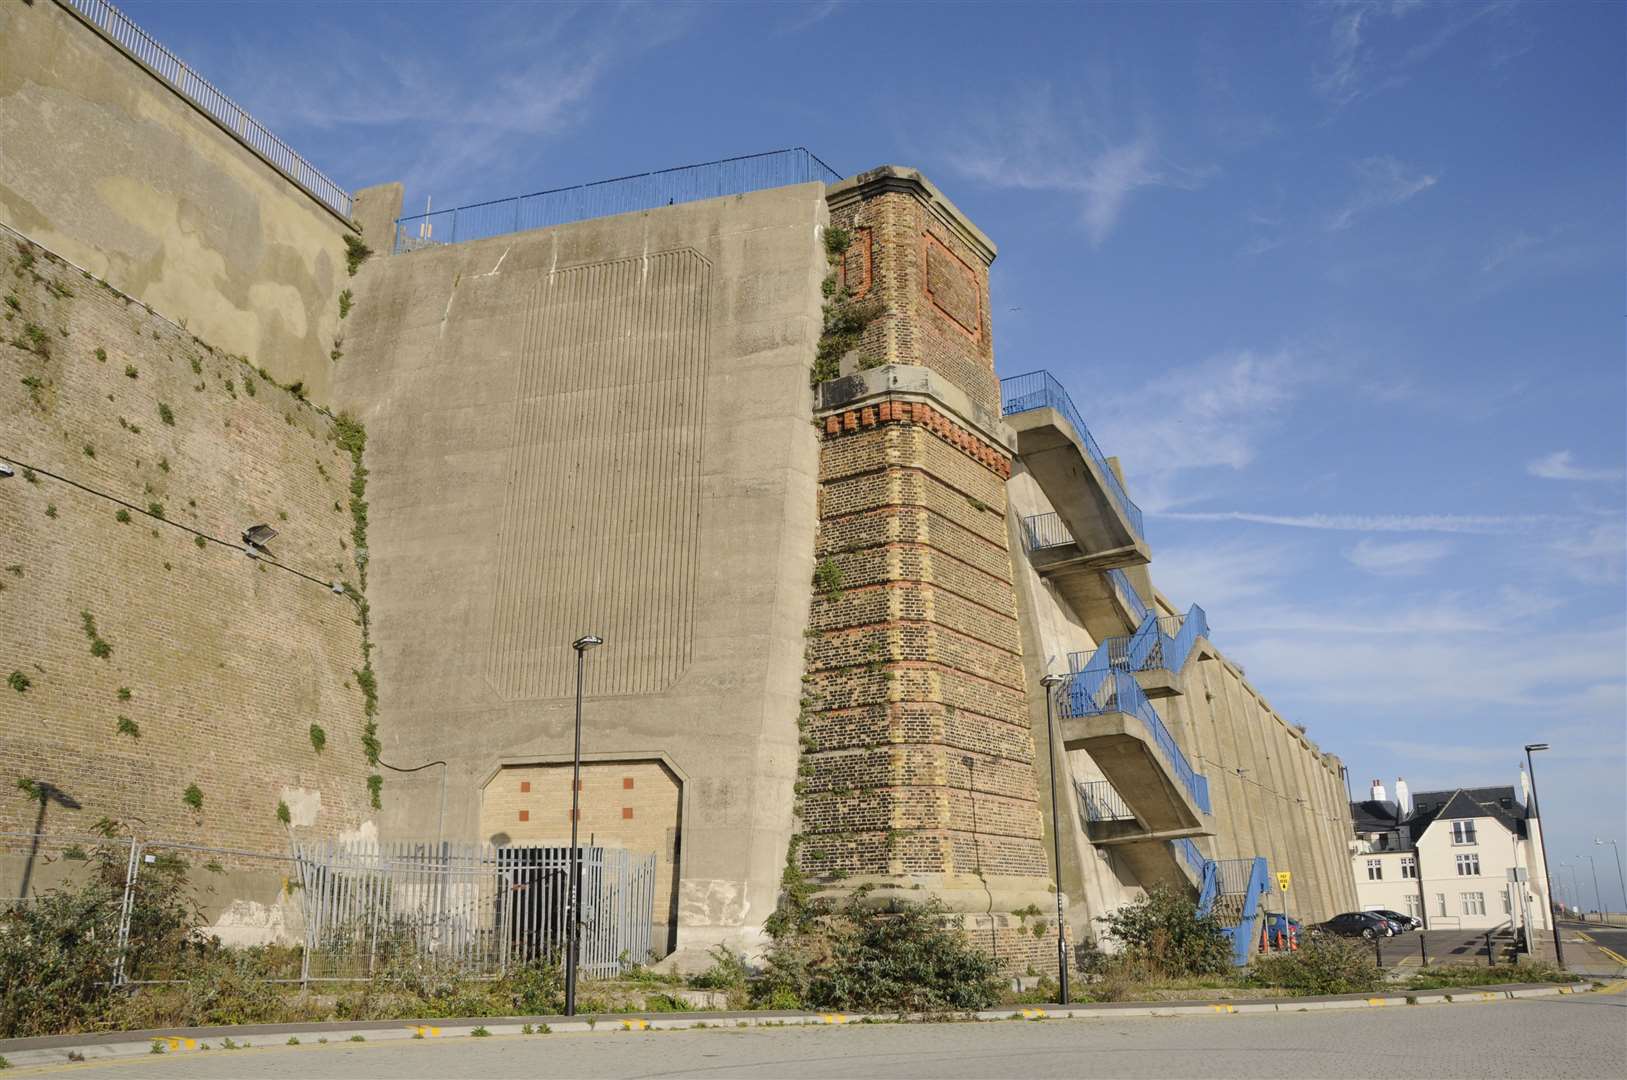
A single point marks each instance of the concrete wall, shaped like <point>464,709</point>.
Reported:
<point>221,663</point>
<point>602,427</point>
<point>105,164</point>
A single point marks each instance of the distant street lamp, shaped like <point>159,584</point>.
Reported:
<point>1598,904</point>
<point>1619,875</point>
<point>1547,876</point>
<point>574,887</point>
<point>1050,683</point>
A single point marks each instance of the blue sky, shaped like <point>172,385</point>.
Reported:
<point>1341,283</point>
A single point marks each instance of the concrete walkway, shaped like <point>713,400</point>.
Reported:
<point>1490,1035</point>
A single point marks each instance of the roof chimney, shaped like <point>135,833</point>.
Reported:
<point>1403,797</point>
<point>1378,792</point>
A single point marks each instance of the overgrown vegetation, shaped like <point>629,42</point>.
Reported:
<point>127,726</point>
<point>356,253</point>
<point>193,797</point>
<point>844,318</point>
<point>1162,934</point>
<point>19,682</point>
<point>853,954</point>
<point>1321,965</point>
<point>319,738</point>
<point>828,578</point>
<point>346,300</point>
<point>99,647</point>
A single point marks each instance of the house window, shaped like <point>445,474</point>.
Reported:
<point>1474,903</point>
<point>1468,866</point>
<point>1463,831</point>
<point>1440,903</point>
<point>1375,870</point>
<point>1415,906</point>
<point>1508,905</point>
<point>1409,866</point>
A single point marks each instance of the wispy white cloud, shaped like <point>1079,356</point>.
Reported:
<point>1594,556</point>
<point>1380,182</point>
<point>1377,523</point>
<point>1406,558</point>
<point>811,13</point>
<point>1363,57</point>
<point>1559,466</point>
<point>1080,148</point>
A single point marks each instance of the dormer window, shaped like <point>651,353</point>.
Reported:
<point>1463,831</point>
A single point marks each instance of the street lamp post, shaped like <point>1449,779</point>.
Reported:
<point>574,886</point>
<point>1598,904</point>
<point>1050,682</point>
<point>1547,877</point>
<point>1619,875</point>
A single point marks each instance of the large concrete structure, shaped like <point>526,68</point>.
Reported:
<point>833,606</point>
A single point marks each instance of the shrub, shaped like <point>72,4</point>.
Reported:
<point>19,682</point>
<point>319,738</point>
<point>1321,965</point>
<point>858,957</point>
<point>193,797</point>
<point>1163,933</point>
<point>356,253</point>
<point>1474,975</point>
<point>166,414</point>
<point>727,973</point>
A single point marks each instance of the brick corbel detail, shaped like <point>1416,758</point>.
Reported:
<point>940,424</point>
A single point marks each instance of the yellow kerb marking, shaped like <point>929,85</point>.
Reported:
<point>833,1018</point>
<point>1377,1001</point>
<point>1223,1008</point>
<point>1033,1014</point>
<point>191,1044</point>
<point>635,1025</point>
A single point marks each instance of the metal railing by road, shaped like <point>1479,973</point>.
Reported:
<point>1040,390</point>
<point>1098,690</point>
<point>181,78</point>
<point>602,198</point>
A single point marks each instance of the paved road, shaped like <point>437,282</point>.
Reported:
<point>1612,938</point>
<point>1580,1036</point>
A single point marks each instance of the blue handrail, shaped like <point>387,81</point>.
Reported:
<point>1128,595</point>
<point>1040,390</point>
<point>1103,688</point>
<point>622,195</point>
<point>1253,878</point>
<point>1159,642</point>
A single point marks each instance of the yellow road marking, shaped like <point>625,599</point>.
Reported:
<point>1377,1001</point>
<point>1223,1008</point>
<point>1033,1014</point>
<point>833,1018</point>
<point>634,1025</point>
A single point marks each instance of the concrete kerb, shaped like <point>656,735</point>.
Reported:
<point>57,1049</point>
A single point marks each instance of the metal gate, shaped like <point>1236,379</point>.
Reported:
<point>474,908</point>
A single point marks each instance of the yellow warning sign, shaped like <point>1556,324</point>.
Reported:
<point>1284,878</point>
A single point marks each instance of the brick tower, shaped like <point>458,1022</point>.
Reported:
<point>918,762</point>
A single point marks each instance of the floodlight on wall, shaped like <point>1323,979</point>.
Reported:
<point>336,587</point>
<point>256,537</point>
<point>6,471</point>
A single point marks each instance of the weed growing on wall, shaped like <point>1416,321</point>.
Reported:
<point>845,318</point>
<point>99,647</point>
<point>127,726</point>
<point>375,784</point>
<point>101,354</point>
<point>193,797</point>
<point>828,578</point>
<point>19,682</point>
<point>166,414</point>
<point>356,253</point>
<point>319,738</point>
<point>282,812</point>
<point>36,389</point>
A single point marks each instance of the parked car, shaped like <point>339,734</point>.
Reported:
<point>1365,924</point>
<point>1404,922</point>
<point>1279,931</point>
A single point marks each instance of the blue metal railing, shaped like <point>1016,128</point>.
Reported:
<point>195,88</point>
<point>1128,595</point>
<point>1162,642</point>
<point>622,195</point>
<point>1100,801</point>
<point>1102,688</point>
<point>1249,879</point>
<point>1040,390</point>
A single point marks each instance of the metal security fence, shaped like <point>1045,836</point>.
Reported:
<point>1100,801</point>
<point>341,910</point>
<point>195,88</point>
<point>622,195</point>
<point>1041,390</point>
<point>474,908</point>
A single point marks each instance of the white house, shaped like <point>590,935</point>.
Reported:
<point>1467,858</point>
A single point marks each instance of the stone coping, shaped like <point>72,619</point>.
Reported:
<point>56,1049</point>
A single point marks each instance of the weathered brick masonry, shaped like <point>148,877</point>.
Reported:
<point>226,663</point>
<point>919,760</point>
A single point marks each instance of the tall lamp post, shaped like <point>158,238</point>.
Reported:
<point>1050,682</point>
<point>1598,904</point>
<point>1547,876</point>
<point>574,887</point>
<point>1622,878</point>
